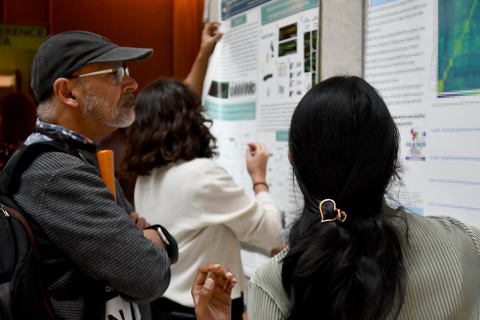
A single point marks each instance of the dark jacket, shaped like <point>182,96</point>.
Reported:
<point>82,234</point>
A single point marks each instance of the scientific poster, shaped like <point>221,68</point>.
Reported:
<point>422,56</point>
<point>264,64</point>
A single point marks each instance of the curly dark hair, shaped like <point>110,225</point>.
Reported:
<point>169,126</point>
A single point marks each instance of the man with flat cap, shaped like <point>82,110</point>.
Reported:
<point>97,260</point>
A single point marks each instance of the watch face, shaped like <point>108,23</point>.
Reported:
<point>162,236</point>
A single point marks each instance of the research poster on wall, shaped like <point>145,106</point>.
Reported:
<point>423,57</point>
<point>264,64</point>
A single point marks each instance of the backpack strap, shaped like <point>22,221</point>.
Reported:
<point>15,165</point>
<point>17,162</point>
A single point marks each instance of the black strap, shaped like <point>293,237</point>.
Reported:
<point>95,300</point>
<point>16,164</point>
<point>172,248</point>
<point>6,304</point>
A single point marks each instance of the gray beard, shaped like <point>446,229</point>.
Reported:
<point>96,108</point>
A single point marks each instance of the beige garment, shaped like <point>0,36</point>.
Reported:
<point>443,275</point>
<point>208,214</point>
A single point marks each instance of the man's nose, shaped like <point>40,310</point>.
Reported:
<point>129,84</point>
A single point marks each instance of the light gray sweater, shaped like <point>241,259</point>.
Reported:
<point>443,274</point>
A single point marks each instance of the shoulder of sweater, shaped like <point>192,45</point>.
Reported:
<point>452,228</point>
<point>270,271</point>
<point>56,161</point>
<point>436,223</point>
<point>201,167</point>
<point>434,230</point>
<point>269,279</point>
<point>198,173</point>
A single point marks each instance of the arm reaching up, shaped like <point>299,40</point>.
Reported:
<point>210,37</point>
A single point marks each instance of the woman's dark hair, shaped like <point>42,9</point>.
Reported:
<point>169,126</point>
<point>343,146</point>
<point>17,117</point>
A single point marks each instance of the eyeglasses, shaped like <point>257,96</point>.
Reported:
<point>120,72</point>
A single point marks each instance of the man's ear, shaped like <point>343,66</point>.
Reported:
<point>67,91</point>
<point>289,158</point>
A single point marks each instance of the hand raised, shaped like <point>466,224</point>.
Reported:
<point>212,292</point>
<point>149,234</point>
<point>210,37</point>
<point>257,157</point>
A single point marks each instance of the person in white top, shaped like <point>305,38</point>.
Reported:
<point>179,186</point>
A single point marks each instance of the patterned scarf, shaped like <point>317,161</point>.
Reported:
<point>64,133</point>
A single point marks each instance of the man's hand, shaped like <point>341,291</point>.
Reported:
<point>212,291</point>
<point>139,221</point>
<point>149,234</point>
<point>210,37</point>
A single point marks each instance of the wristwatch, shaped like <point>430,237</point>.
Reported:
<point>162,236</point>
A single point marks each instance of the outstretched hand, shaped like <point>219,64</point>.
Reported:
<point>212,291</point>
<point>210,37</point>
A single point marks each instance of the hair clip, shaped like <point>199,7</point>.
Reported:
<point>341,215</point>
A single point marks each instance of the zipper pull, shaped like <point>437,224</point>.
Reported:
<point>5,213</point>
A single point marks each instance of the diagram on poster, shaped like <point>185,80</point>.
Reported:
<point>458,47</point>
<point>416,145</point>
<point>422,57</point>
<point>261,68</point>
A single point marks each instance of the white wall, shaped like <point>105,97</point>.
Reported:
<point>341,37</point>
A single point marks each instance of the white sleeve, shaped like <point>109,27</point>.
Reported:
<point>219,200</point>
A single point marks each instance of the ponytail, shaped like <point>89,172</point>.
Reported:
<point>343,145</point>
<point>350,270</point>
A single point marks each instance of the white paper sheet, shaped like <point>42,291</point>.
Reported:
<point>262,67</point>
<point>421,55</point>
